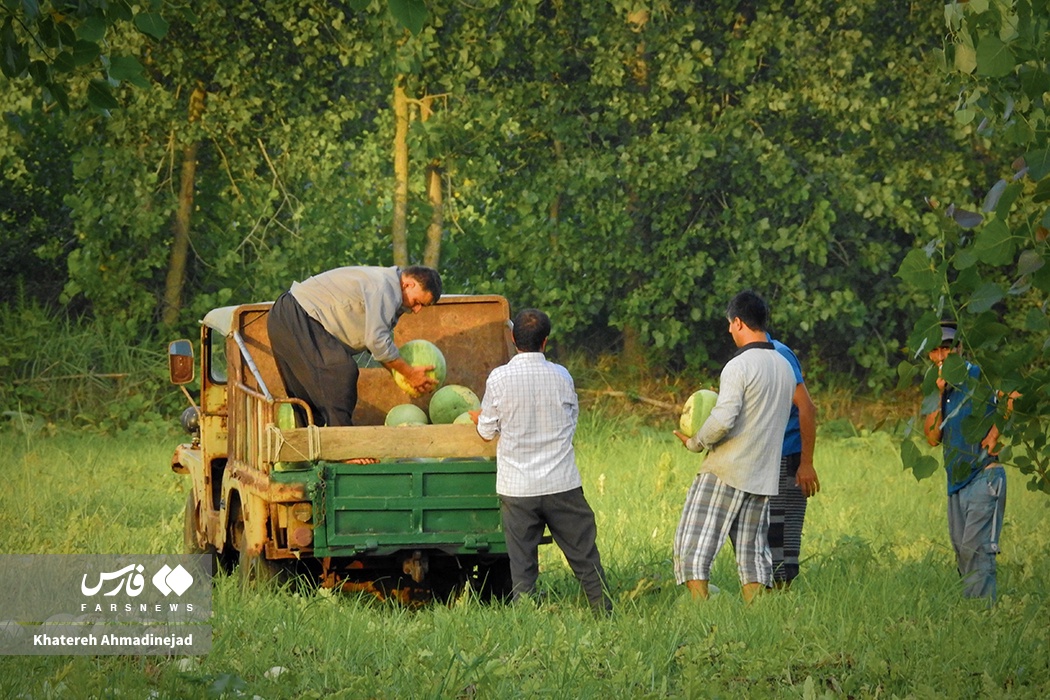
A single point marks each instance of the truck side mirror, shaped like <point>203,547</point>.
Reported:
<point>180,361</point>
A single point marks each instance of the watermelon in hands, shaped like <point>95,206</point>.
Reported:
<point>421,353</point>
<point>697,409</point>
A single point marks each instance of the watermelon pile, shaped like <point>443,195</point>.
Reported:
<point>406,414</point>
<point>451,401</point>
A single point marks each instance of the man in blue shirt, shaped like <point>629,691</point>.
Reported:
<point>976,480</point>
<point>798,478</point>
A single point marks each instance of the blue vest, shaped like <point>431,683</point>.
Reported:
<point>963,460</point>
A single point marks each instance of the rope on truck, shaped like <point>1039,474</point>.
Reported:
<point>275,442</point>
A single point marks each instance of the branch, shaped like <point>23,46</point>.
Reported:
<point>633,397</point>
<point>71,376</point>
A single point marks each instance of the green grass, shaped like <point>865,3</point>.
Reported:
<point>876,613</point>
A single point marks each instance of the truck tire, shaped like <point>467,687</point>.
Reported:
<point>190,524</point>
<point>253,568</point>
<point>492,582</point>
<point>446,582</point>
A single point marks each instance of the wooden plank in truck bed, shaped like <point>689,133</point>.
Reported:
<point>402,442</point>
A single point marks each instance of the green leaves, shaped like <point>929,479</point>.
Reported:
<point>994,58</point>
<point>151,23</point>
<point>14,59</point>
<point>56,48</point>
<point>128,69</point>
<point>921,465</point>
<point>93,29</point>
<point>999,280</point>
<point>994,244</point>
<point>1038,162</point>
<point>919,270</point>
<point>101,96</point>
<point>411,14</point>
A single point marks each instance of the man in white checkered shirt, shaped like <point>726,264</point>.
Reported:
<point>531,404</point>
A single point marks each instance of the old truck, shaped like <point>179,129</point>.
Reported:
<point>270,497</point>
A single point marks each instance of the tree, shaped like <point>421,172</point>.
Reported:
<point>627,166</point>
<point>986,268</point>
<point>57,43</point>
<point>629,169</point>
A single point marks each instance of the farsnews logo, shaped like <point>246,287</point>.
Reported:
<point>131,581</point>
<point>169,580</point>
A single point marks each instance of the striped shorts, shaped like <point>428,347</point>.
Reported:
<point>787,513</point>
<point>712,512</point>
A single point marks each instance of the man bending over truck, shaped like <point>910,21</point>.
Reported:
<point>318,326</point>
<point>531,403</point>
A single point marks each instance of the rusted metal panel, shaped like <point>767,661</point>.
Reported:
<point>472,333</point>
<point>186,459</point>
<point>255,482</point>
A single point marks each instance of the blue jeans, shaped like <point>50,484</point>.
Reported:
<point>975,520</point>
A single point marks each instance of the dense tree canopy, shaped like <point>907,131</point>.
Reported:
<point>626,165</point>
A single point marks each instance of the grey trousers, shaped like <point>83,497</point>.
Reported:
<point>975,521</point>
<point>571,522</point>
<point>315,365</point>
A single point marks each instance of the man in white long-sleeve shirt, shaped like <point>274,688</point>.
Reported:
<point>318,326</point>
<point>743,436</point>
<point>531,403</point>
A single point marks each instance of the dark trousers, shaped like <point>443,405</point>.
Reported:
<point>787,512</point>
<point>571,522</point>
<point>315,365</point>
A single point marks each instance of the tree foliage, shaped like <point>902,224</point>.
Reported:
<point>644,165</point>
<point>626,165</point>
<point>986,267</point>
<point>64,44</point>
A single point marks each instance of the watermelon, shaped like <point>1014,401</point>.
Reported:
<point>286,421</point>
<point>421,353</point>
<point>697,409</point>
<point>405,414</point>
<point>450,401</point>
<point>285,416</point>
<point>463,419</point>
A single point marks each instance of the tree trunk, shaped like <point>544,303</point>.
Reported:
<point>633,355</point>
<point>554,211</point>
<point>180,247</point>
<point>399,226</point>
<point>432,253</point>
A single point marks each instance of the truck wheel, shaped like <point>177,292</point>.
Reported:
<point>190,545</point>
<point>446,583</point>
<point>254,568</point>
<point>493,582</point>
<point>190,524</point>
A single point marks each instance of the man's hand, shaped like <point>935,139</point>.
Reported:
<point>417,378</point>
<point>806,480</point>
<point>474,415</point>
<point>681,436</point>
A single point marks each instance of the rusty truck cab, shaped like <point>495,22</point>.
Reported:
<point>266,490</point>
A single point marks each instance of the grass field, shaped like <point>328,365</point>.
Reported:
<point>876,612</point>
